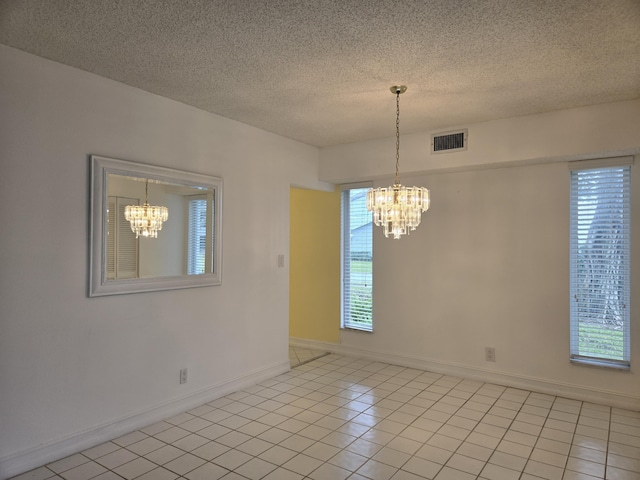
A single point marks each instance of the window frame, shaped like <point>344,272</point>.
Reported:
<point>345,247</point>
<point>577,229</point>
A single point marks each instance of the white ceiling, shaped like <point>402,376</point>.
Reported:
<point>319,71</point>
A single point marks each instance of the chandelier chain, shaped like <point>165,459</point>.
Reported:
<point>397,134</point>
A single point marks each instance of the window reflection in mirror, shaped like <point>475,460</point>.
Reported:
<point>199,234</point>
<point>187,249</point>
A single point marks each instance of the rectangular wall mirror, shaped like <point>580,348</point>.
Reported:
<point>153,228</point>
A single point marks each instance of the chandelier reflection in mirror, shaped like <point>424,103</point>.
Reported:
<point>146,220</point>
<point>396,208</point>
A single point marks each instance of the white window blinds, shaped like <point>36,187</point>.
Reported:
<point>600,265</point>
<point>200,235</point>
<point>357,260</point>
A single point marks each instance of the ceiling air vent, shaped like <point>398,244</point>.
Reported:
<point>449,141</point>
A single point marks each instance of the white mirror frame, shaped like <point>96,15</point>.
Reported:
<point>101,167</point>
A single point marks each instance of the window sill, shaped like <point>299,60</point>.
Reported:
<point>358,330</point>
<point>600,364</point>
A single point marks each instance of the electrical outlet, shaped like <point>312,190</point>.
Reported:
<point>184,375</point>
<point>490,354</point>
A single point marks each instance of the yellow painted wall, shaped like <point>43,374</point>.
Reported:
<point>314,268</point>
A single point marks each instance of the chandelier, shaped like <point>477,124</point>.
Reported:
<point>146,220</point>
<point>396,208</point>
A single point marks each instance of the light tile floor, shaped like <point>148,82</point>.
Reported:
<point>338,418</point>
<point>300,355</point>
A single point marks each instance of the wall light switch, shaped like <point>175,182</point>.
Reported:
<point>281,261</point>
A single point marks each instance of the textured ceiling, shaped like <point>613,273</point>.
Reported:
<point>319,71</point>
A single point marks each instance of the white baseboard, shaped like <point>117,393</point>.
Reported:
<point>541,385</point>
<point>22,461</point>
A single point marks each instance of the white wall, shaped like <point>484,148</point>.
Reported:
<point>489,265</point>
<point>74,369</point>
<point>156,258</point>
<point>589,132</point>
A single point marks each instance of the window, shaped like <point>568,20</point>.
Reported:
<point>200,235</point>
<point>357,260</point>
<point>600,264</point>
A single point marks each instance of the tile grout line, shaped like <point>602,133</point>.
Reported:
<point>341,381</point>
